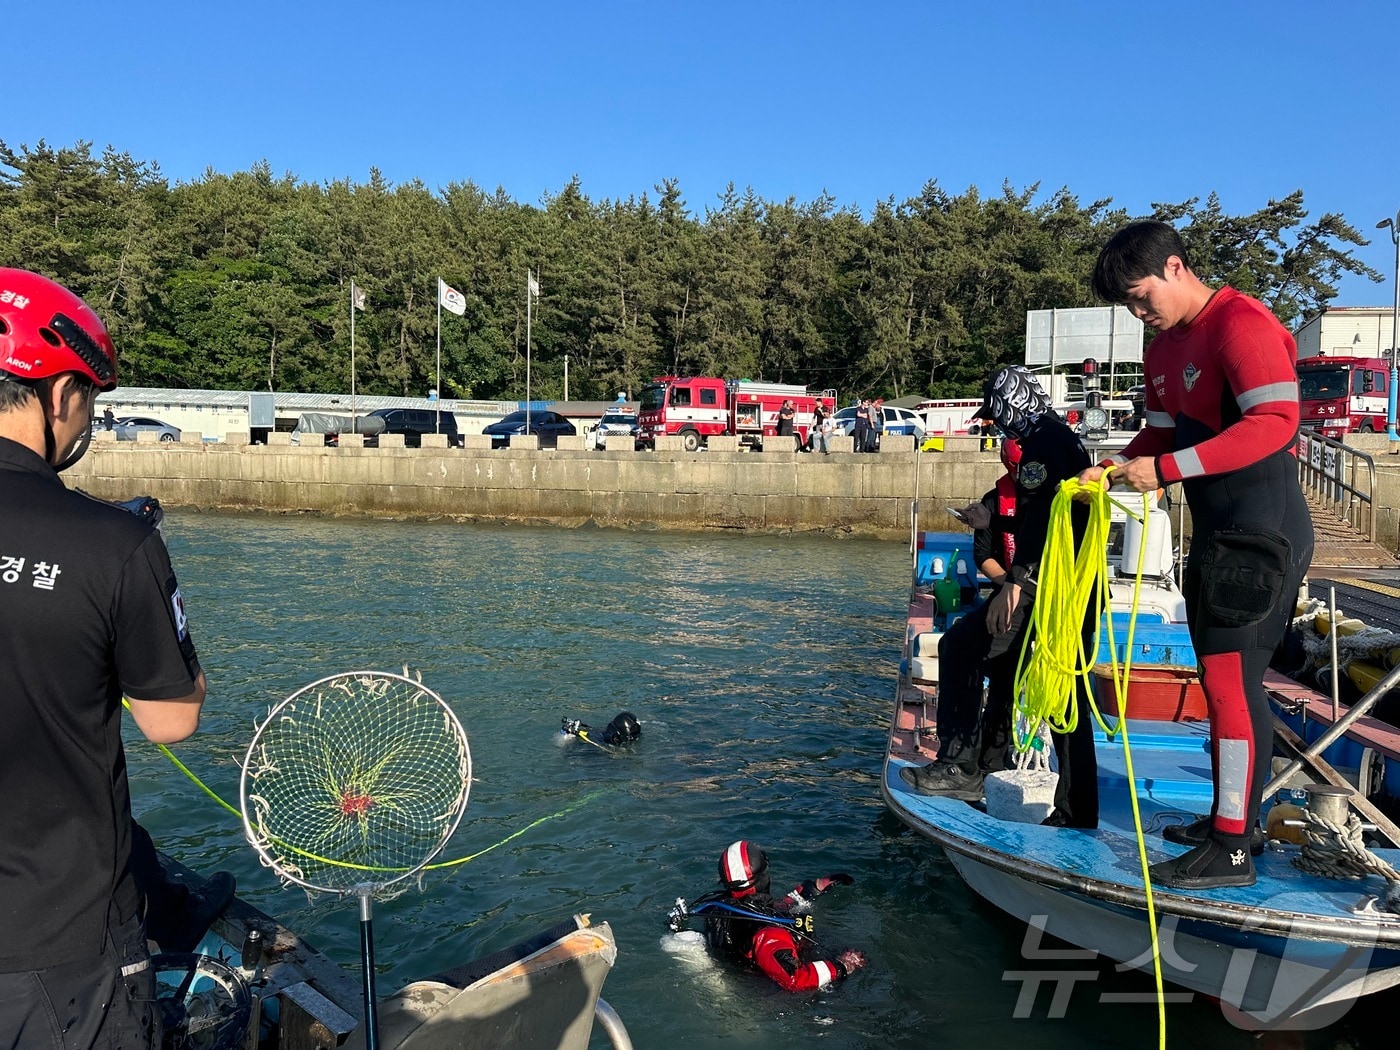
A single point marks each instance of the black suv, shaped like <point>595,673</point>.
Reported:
<point>413,423</point>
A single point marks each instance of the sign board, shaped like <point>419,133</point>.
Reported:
<point>1058,338</point>
<point>262,411</point>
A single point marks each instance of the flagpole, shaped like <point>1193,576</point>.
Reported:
<point>353,428</point>
<point>529,277</point>
<point>437,415</point>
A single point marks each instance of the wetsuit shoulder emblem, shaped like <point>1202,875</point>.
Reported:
<point>1032,475</point>
<point>1189,375</point>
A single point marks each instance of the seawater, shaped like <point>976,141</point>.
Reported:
<point>761,668</point>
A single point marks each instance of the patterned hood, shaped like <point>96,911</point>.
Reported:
<point>1014,400</point>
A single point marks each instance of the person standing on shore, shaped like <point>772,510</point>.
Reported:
<point>1221,415</point>
<point>90,609</point>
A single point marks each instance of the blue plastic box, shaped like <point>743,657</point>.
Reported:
<point>943,547</point>
<point>1167,644</point>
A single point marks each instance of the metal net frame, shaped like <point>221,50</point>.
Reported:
<point>355,782</point>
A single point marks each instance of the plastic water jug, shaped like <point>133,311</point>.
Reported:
<point>947,592</point>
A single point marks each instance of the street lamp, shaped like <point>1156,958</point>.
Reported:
<point>1394,226</point>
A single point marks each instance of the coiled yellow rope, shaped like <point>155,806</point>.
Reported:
<point>1046,683</point>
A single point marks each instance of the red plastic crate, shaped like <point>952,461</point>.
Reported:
<point>1156,693</point>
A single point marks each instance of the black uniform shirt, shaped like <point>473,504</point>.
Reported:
<point>1050,453</point>
<point>89,609</point>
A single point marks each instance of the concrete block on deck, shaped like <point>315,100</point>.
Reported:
<point>105,437</point>
<point>619,443</point>
<point>669,443</point>
<point>280,437</point>
<point>347,440</point>
<point>570,443</point>
<point>477,441</point>
<point>191,437</point>
<point>236,437</point>
<point>148,437</point>
<point>724,443</point>
<point>526,442</point>
<point>391,440</point>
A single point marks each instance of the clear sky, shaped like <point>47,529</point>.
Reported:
<point>1140,102</point>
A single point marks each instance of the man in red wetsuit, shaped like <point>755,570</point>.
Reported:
<point>1221,417</point>
<point>744,922</point>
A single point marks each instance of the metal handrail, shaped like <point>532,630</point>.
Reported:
<point>1328,469</point>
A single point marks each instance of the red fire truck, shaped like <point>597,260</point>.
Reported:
<point>702,406</point>
<point>1341,394</point>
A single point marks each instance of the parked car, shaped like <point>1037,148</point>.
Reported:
<point>896,420</point>
<point>412,423</point>
<point>619,423</point>
<point>548,425</point>
<point>127,427</point>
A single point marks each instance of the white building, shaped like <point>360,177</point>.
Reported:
<point>1347,331</point>
<point>215,413</point>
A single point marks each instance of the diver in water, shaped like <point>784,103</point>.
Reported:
<point>621,730</point>
<point>745,923</point>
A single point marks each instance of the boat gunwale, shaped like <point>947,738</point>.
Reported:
<point>1383,930</point>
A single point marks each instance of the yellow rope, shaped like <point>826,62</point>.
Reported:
<point>1045,684</point>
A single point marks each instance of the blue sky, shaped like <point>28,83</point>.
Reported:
<point>865,101</point>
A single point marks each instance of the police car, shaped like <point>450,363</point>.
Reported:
<point>616,423</point>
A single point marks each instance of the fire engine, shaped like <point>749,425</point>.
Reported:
<point>1341,394</point>
<point>700,407</point>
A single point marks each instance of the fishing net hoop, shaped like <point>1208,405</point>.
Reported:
<point>354,783</point>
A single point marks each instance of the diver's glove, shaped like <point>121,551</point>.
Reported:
<point>812,888</point>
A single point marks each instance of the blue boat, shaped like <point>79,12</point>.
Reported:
<point>1293,950</point>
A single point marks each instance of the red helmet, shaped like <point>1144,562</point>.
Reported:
<point>743,868</point>
<point>46,330</point>
<point>1010,454</point>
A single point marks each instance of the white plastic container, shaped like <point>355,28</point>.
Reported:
<point>1156,534</point>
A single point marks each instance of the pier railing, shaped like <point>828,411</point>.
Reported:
<point>1339,478</point>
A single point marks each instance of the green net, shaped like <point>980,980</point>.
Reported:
<point>355,782</point>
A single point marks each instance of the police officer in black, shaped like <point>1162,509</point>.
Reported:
<point>1050,453</point>
<point>89,610</point>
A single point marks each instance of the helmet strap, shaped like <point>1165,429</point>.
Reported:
<point>79,449</point>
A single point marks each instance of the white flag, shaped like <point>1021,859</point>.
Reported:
<point>532,284</point>
<point>454,301</point>
<point>357,296</point>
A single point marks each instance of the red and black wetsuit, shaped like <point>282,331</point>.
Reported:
<point>1222,418</point>
<point>776,949</point>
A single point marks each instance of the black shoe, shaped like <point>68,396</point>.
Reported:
<point>1210,866</point>
<point>1056,819</point>
<point>1198,831</point>
<point>179,927</point>
<point>944,779</point>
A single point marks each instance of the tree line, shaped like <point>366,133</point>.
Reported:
<point>241,281</point>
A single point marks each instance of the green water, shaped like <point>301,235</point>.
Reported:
<point>761,669</point>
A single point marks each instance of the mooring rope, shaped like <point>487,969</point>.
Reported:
<point>1338,851</point>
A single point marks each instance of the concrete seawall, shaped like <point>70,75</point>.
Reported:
<point>723,488</point>
<point>717,489</point>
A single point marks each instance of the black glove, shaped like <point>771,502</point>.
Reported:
<point>842,878</point>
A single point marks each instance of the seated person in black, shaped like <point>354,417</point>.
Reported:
<point>1050,453</point>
